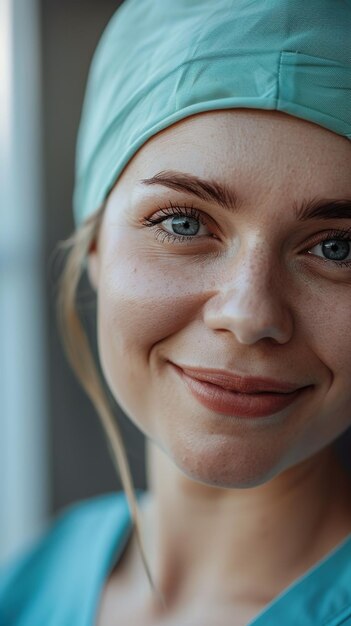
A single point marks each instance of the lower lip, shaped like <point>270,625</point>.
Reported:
<point>238,404</point>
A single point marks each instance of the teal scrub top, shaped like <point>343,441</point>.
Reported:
<point>58,580</point>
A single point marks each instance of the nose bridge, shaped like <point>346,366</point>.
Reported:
<point>258,274</point>
<point>251,298</point>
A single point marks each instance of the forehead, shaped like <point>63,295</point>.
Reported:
<point>255,146</point>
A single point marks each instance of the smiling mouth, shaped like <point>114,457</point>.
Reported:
<point>240,404</point>
<point>239,384</point>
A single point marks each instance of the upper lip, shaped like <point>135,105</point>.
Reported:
<point>241,384</point>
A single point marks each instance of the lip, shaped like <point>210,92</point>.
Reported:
<point>241,384</point>
<point>238,404</point>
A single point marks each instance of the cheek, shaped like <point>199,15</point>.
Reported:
<point>324,318</point>
<point>142,300</point>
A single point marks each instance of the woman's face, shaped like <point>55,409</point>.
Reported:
<point>254,290</point>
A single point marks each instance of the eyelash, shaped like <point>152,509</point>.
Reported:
<point>173,210</point>
<point>170,211</point>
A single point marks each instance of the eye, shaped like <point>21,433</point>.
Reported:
<point>336,247</point>
<point>184,223</point>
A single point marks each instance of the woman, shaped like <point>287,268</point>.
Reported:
<point>213,206</point>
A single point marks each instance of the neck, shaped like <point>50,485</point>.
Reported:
<point>232,542</point>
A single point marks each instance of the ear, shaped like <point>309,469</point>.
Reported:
<point>93,265</point>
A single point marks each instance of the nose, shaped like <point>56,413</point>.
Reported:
<point>249,301</point>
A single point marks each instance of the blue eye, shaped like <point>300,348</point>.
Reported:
<point>336,246</point>
<point>183,219</point>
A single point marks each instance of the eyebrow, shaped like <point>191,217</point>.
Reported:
<point>209,189</point>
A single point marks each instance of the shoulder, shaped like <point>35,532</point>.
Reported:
<point>61,559</point>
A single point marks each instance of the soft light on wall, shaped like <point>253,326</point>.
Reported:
<point>24,488</point>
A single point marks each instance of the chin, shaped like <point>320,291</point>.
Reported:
<point>220,464</point>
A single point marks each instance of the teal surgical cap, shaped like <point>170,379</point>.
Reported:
<point>159,61</point>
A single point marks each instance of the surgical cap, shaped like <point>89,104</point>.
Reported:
<point>159,61</point>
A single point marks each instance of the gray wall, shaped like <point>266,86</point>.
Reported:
<point>81,465</point>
